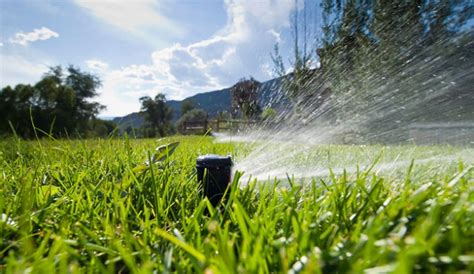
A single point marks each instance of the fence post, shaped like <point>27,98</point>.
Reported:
<point>205,126</point>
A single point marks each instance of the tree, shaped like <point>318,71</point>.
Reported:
<point>245,98</point>
<point>15,106</point>
<point>59,104</point>
<point>85,86</point>
<point>100,128</point>
<point>268,114</point>
<point>380,59</point>
<point>157,114</point>
<point>187,105</point>
<point>299,84</point>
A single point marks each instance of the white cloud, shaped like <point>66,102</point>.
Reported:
<point>241,48</point>
<point>1,44</point>
<point>237,50</point>
<point>97,66</point>
<point>132,15</point>
<point>21,70</point>
<point>37,34</point>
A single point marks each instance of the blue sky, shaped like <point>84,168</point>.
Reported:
<point>141,47</point>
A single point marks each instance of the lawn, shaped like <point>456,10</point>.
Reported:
<point>93,206</point>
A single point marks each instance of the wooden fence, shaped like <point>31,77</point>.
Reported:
<point>215,125</point>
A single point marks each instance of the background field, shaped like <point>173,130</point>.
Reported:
<point>82,206</point>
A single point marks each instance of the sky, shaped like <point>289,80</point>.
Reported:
<point>142,47</point>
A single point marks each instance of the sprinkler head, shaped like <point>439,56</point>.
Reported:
<point>214,173</point>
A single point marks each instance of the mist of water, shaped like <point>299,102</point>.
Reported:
<point>421,102</point>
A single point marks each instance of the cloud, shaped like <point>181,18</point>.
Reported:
<point>17,69</point>
<point>37,34</point>
<point>97,66</point>
<point>241,48</point>
<point>237,50</point>
<point>132,16</point>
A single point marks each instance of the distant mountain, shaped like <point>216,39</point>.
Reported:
<point>213,102</point>
<point>132,120</point>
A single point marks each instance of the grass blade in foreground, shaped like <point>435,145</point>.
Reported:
<point>79,206</point>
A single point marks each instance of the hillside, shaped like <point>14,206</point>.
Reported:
<point>133,120</point>
<point>212,102</point>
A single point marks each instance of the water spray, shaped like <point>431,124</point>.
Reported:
<point>214,174</point>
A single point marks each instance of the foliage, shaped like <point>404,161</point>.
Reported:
<point>268,114</point>
<point>158,115</point>
<point>78,206</point>
<point>100,128</point>
<point>303,58</point>
<point>377,53</point>
<point>192,116</point>
<point>224,115</point>
<point>187,105</point>
<point>245,98</point>
<point>59,104</point>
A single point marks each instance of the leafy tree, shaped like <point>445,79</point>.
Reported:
<point>15,110</point>
<point>157,114</point>
<point>101,128</point>
<point>245,98</point>
<point>268,114</point>
<point>187,105</point>
<point>59,104</point>
<point>85,86</point>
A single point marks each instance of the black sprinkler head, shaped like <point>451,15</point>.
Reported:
<point>214,173</point>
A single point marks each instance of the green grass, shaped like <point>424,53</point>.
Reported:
<point>79,206</point>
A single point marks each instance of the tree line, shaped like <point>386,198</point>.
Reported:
<point>59,105</point>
